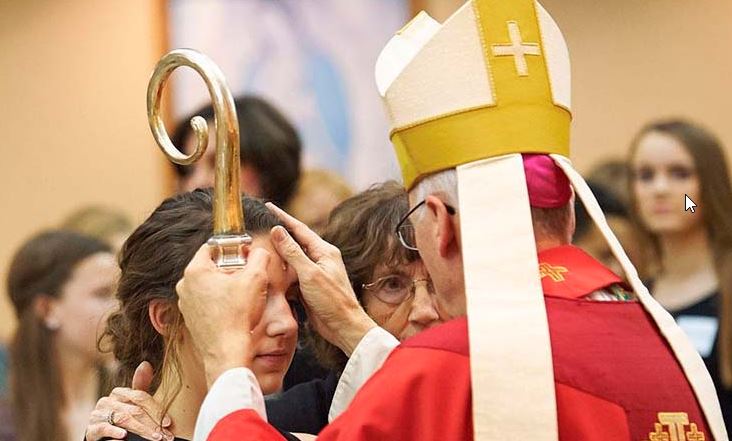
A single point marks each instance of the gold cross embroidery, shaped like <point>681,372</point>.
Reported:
<point>554,272</point>
<point>675,424</point>
<point>517,49</point>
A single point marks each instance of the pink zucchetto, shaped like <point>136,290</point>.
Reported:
<point>548,185</point>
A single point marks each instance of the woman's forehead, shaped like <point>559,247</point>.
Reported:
<point>403,268</point>
<point>277,269</point>
<point>660,147</point>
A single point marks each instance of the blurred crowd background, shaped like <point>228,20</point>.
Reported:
<point>77,153</point>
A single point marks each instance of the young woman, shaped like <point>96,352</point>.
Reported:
<point>390,282</point>
<point>61,285</point>
<point>670,160</point>
<point>148,325</point>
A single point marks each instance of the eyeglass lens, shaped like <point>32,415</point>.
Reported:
<point>395,289</point>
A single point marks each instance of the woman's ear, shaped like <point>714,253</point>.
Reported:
<point>162,315</point>
<point>46,309</point>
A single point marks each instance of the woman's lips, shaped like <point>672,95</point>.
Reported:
<point>661,209</point>
<point>273,359</point>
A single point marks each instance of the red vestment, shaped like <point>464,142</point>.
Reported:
<point>615,376</point>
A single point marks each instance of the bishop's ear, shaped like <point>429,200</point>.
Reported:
<point>163,315</point>
<point>444,226</point>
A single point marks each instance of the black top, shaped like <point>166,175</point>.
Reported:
<point>302,408</point>
<point>708,310</point>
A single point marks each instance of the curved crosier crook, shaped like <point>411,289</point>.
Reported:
<point>230,238</point>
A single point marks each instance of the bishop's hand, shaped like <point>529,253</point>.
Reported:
<point>221,308</point>
<point>329,299</point>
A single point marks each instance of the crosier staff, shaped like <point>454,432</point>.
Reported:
<point>230,239</point>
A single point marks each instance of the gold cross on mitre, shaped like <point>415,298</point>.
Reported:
<point>517,49</point>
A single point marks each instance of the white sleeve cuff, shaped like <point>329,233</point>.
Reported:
<point>236,389</point>
<point>366,359</point>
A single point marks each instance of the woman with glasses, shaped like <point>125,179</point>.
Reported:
<point>388,278</point>
<point>389,281</point>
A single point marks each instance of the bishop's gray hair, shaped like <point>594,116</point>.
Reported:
<point>547,222</point>
<point>442,183</point>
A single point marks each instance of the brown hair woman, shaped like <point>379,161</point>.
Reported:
<point>61,285</point>
<point>149,327</point>
<point>693,278</point>
<point>388,279</point>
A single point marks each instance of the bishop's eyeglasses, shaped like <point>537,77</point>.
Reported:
<point>405,228</point>
<point>396,288</point>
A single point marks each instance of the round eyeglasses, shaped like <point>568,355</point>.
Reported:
<point>405,228</point>
<point>396,288</point>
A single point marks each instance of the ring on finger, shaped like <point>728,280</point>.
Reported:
<point>110,418</point>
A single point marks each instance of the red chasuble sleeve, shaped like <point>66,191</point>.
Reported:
<point>421,393</point>
<point>244,425</point>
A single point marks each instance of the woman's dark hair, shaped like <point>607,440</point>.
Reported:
<point>609,203</point>
<point>716,198</point>
<point>269,143</point>
<point>41,267</point>
<point>363,229</point>
<point>152,261</point>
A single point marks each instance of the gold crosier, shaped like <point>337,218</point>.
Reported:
<point>230,239</point>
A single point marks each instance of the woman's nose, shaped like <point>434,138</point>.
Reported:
<point>423,311</point>
<point>279,317</point>
<point>660,183</point>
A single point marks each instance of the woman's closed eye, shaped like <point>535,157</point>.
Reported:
<point>104,293</point>
<point>294,300</point>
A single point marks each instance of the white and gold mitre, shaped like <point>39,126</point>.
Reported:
<point>493,79</point>
<point>472,94</point>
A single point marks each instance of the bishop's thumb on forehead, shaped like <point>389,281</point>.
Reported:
<point>258,257</point>
<point>279,234</point>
